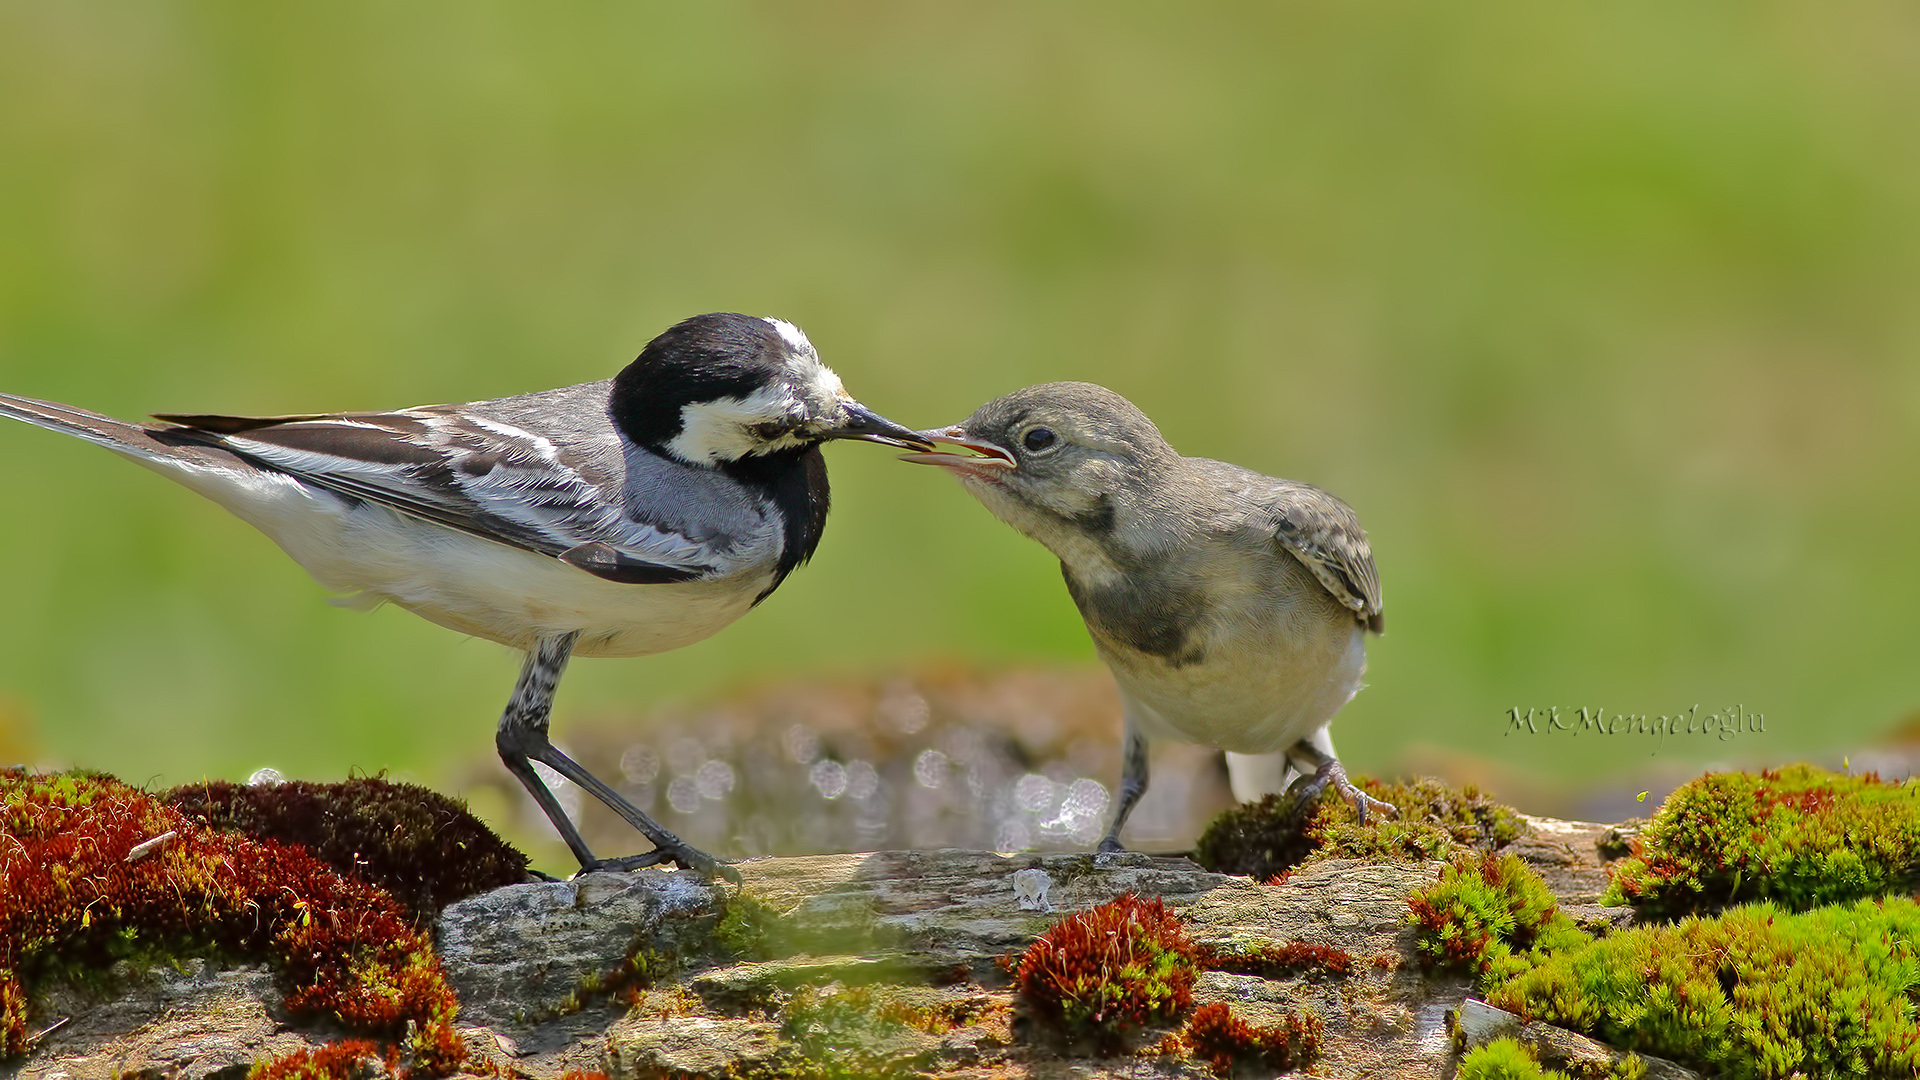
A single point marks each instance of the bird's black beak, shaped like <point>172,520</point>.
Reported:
<point>865,424</point>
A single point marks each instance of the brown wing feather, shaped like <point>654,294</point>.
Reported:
<point>1323,533</point>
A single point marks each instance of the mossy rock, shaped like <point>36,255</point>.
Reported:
<point>97,872</point>
<point>1756,992</point>
<point>1503,1059</point>
<point>423,848</point>
<point>1490,916</point>
<point>1799,836</point>
<point>1273,836</point>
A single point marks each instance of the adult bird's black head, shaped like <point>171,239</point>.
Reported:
<point>719,389</point>
<point>750,398</point>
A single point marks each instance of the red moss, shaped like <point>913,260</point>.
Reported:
<point>433,1052</point>
<point>93,871</point>
<point>1110,970</point>
<point>1271,960</point>
<point>422,847</point>
<point>348,1059</point>
<point>1223,1040</point>
<point>1172,1044</point>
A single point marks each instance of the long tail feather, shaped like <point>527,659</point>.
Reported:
<point>149,442</point>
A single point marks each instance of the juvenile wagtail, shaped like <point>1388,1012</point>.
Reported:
<point>1231,607</point>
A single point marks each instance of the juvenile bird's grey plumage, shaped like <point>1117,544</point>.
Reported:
<point>617,518</point>
<point>1231,607</point>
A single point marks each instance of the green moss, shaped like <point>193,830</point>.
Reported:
<point>422,847</point>
<point>1503,1059</point>
<point>855,1033</point>
<point>96,872</point>
<point>1800,836</point>
<point>1106,972</point>
<point>1271,837</point>
<point>750,928</point>
<point>1626,1067</point>
<point>1489,916</point>
<point>1507,1057</point>
<point>1758,992</point>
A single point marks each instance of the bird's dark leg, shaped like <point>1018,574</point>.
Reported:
<point>1328,770</point>
<point>1133,784</point>
<point>522,740</point>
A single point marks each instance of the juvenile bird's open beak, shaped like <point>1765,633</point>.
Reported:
<point>865,424</point>
<point>984,460</point>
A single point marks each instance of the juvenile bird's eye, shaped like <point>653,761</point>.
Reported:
<point>1038,439</point>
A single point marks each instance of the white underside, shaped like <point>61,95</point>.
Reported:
<point>1260,696</point>
<point>1252,776</point>
<point>462,582</point>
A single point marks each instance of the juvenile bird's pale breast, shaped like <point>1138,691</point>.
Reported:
<point>1260,669</point>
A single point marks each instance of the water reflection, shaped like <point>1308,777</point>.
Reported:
<point>942,758</point>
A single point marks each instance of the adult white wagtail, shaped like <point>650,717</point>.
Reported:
<point>1231,607</point>
<point>617,518</point>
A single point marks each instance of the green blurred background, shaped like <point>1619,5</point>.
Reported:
<point>1606,319</point>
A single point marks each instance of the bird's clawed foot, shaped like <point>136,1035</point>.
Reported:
<point>687,856</point>
<point>1110,845</point>
<point>1306,791</point>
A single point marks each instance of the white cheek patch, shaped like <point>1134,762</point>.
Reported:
<point>809,396</point>
<point>721,430</point>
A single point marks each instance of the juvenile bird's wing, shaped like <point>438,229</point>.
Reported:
<point>465,471</point>
<point>1323,533</point>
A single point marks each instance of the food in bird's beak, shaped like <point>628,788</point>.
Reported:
<point>984,455</point>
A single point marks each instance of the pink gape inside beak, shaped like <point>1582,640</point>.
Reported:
<point>984,460</point>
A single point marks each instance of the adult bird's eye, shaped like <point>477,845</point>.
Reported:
<point>769,431</point>
<point>1038,439</point>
